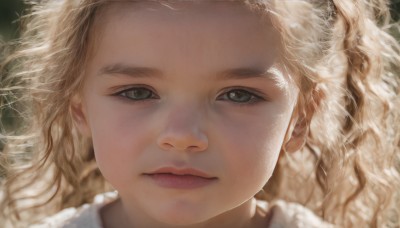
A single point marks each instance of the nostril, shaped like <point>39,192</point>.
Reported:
<point>182,141</point>
<point>192,148</point>
<point>167,146</point>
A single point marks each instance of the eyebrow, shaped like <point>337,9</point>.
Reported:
<point>133,71</point>
<point>141,72</point>
<point>243,73</point>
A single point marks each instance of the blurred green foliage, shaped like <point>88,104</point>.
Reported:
<point>10,10</point>
<point>395,6</point>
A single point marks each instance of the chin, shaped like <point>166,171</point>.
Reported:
<point>183,216</point>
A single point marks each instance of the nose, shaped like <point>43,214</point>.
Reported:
<point>182,132</point>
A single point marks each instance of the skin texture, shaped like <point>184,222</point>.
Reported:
<point>190,114</point>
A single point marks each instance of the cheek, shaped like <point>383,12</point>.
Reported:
<point>252,146</point>
<point>119,136</point>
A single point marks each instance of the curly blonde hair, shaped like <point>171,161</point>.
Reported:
<point>347,172</point>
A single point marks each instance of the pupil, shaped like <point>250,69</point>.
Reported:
<point>239,96</point>
<point>140,94</point>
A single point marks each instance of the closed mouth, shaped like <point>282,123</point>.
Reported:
<point>181,172</point>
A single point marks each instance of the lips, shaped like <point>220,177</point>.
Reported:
<point>188,178</point>
<point>181,172</point>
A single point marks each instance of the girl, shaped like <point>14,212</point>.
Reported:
<point>257,113</point>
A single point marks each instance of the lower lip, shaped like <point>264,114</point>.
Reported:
<point>166,180</point>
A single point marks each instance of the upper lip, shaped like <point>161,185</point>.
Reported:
<point>181,171</point>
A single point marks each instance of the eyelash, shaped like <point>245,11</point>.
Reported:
<point>253,99</point>
<point>253,95</point>
<point>124,92</point>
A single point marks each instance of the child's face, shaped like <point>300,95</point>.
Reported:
<point>182,88</point>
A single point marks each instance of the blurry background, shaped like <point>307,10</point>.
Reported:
<point>10,9</point>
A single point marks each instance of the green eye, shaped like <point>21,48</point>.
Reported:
<point>240,96</point>
<point>137,94</point>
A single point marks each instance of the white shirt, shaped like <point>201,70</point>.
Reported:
<point>283,215</point>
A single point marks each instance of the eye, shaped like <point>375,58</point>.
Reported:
<point>137,94</point>
<point>240,96</point>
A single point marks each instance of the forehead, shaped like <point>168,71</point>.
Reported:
<point>194,15</point>
<point>192,8</point>
<point>199,35</point>
<point>186,20</point>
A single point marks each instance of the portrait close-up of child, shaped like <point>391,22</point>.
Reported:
<point>201,113</point>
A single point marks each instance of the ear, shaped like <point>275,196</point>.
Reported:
<point>296,135</point>
<point>79,116</point>
<point>299,125</point>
